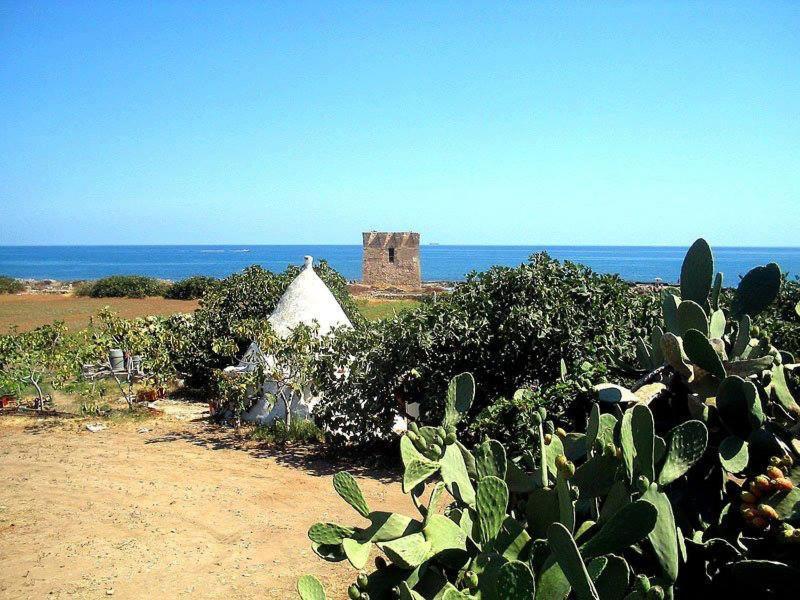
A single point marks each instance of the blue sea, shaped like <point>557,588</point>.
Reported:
<point>439,263</point>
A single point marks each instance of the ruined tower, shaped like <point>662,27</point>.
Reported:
<point>391,259</point>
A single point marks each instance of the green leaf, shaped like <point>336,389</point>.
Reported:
<point>515,581</point>
<point>685,446</point>
<point>385,526</point>
<point>669,310</point>
<point>716,289</point>
<point>416,472</point>
<point>780,391</point>
<point>734,454</point>
<point>692,316</point>
<point>460,394</point>
<point>702,353</point>
<point>310,588</point>
<point>492,502</point>
<point>696,272</point>
<point>357,553</point>
<point>739,406</point>
<point>663,537</point>
<point>571,562</point>
<point>328,533</point>
<point>716,328</point>
<point>407,552</point>
<point>757,290</point>
<point>444,535</point>
<point>490,459</point>
<point>742,337</point>
<point>347,487</point>
<point>628,526</point>
<point>455,476</point>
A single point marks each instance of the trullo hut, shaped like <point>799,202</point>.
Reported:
<point>307,300</point>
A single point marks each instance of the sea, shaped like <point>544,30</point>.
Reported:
<point>439,263</point>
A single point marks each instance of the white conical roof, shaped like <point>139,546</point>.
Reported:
<point>307,299</point>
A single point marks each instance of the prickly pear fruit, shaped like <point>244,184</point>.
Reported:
<point>749,497</point>
<point>413,427</point>
<point>362,580</point>
<point>768,512</point>
<point>784,484</point>
<point>561,432</point>
<point>353,592</point>
<point>762,484</point>
<point>774,472</point>
<point>642,483</point>
<point>450,438</point>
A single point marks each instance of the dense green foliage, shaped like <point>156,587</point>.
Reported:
<point>681,485</point>
<point>231,313</point>
<point>781,320</point>
<point>191,288</point>
<point>123,286</point>
<point>511,327</point>
<point>9,285</point>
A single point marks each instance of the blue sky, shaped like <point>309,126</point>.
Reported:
<point>479,123</point>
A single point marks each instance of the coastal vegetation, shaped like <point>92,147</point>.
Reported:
<point>594,438</point>
<point>9,285</point>
<point>681,482</point>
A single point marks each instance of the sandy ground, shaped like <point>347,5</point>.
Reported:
<point>165,508</point>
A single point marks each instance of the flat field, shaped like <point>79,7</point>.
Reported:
<point>169,507</point>
<point>27,311</point>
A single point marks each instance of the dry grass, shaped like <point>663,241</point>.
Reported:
<point>379,308</point>
<point>32,310</point>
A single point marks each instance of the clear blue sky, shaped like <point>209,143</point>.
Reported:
<point>483,123</point>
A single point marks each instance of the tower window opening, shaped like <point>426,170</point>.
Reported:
<point>391,255</point>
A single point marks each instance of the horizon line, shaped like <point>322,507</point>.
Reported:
<point>434,244</point>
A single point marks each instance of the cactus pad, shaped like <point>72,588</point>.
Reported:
<point>757,290</point>
<point>702,353</point>
<point>644,439</point>
<point>455,476</point>
<point>734,454</point>
<point>460,394</point>
<point>514,581</point>
<point>739,406</point>
<point>328,533</point>
<point>697,271</point>
<point>686,444</point>
<point>347,487</point>
<point>664,537</point>
<point>357,552</point>
<point>491,502</point>
<point>692,316</point>
<point>569,559</point>
<point>628,526</point>
<point>310,588</point>
<point>490,459</point>
<point>672,347</point>
<point>407,552</point>
<point>416,472</point>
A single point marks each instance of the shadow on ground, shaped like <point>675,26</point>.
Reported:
<point>313,460</point>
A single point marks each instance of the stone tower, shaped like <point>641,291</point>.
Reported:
<point>391,259</point>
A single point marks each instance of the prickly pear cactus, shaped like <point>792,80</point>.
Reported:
<point>687,489</point>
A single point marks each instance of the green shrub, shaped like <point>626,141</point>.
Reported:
<point>682,486</point>
<point>511,327</point>
<point>781,321</point>
<point>299,431</point>
<point>9,285</point>
<point>191,288</point>
<point>124,286</point>
<point>230,314</point>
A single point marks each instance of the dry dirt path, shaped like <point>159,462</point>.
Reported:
<point>181,510</point>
